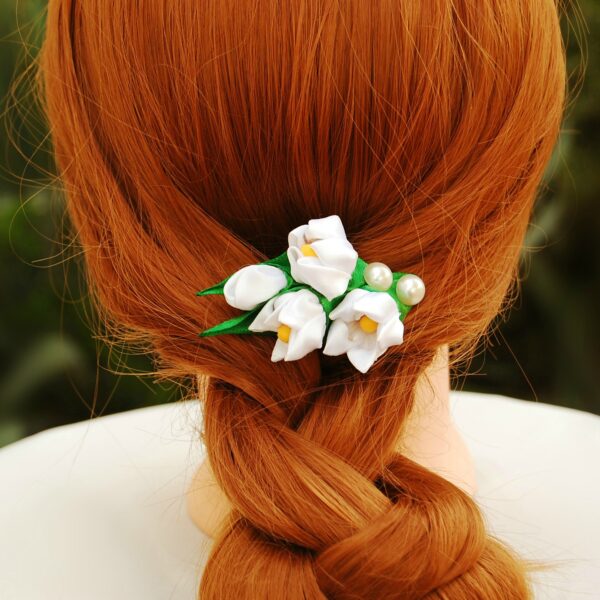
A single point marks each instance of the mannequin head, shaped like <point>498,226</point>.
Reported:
<point>192,136</point>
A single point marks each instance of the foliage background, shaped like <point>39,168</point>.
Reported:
<point>54,371</point>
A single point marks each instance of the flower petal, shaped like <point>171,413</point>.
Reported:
<point>327,281</point>
<point>378,306</point>
<point>296,237</point>
<point>299,308</point>
<point>357,336</point>
<point>327,227</point>
<point>363,356</point>
<point>338,340</point>
<point>279,351</point>
<point>390,333</point>
<point>266,319</point>
<point>253,284</point>
<point>306,339</point>
<point>345,309</point>
<point>336,253</point>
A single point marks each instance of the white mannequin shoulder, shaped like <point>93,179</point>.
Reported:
<point>97,509</point>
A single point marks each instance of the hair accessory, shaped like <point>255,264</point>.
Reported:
<point>319,287</point>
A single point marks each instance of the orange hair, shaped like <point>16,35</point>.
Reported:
<point>192,136</point>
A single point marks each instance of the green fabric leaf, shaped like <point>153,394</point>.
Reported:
<point>237,324</point>
<point>215,289</point>
<point>282,261</point>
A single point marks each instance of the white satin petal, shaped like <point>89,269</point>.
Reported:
<point>338,341</point>
<point>356,335</point>
<point>279,351</point>
<point>329,282</point>
<point>262,321</point>
<point>336,253</point>
<point>326,280</point>
<point>305,340</point>
<point>314,332</point>
<point>252,285</point>
<point>294,256</point>
<point>363,357</point>
<point>390,333</point>
<point>345,309</point>
<point>296,236</point>
<point>378,306</point>
<point>320,229</point>
<point>301,308</point>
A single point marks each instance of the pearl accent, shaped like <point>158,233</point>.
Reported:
<point>283,333</point>
<point>308,250</point>
<point>367,324</point>
<point>378,276</point>
<point>410,289</point>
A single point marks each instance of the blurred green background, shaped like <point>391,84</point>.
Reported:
<point>54,371</point>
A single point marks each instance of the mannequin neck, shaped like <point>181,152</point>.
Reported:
<point>429,438</point>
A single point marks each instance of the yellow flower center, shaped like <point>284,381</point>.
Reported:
<point>283,333</point>
<point>307,250</point>
<point>367,324</point>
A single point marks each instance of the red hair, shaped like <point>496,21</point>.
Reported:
<point>192,136</point>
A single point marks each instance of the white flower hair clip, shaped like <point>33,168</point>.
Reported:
<point>319,289</point>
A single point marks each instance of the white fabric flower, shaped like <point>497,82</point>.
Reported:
<point>299,321</point>
<point>365,324</point>
<point>253,284</point>
<point>321,256</point>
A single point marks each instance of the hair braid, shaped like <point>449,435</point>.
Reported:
<point>369,525</point>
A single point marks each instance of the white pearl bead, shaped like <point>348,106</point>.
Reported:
<point>410,290</point>
<point>379,276</point>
